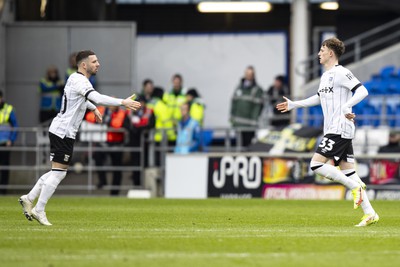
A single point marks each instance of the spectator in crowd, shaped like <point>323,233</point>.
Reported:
<point>147,91</point>
<point>188,139</point>
<point>116,120</point>
<point>175,98</point>
<point>141,120</point>
<point>163,122</point>
<point>8,122</point>
<point>246,106</point>
<point>393,145</point>
<point>274,95</point>
<point>72,68</point>
<point>196,105</point>
<point>51,90</point>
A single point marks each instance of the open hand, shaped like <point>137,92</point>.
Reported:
<point>131,104</point>
<point>283,107</point>
<point>97,115</point>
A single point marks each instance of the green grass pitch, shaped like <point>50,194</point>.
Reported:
<point>215,232</point>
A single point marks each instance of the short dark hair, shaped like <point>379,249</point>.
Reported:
<point>158,92</point>
<point>146,81</point>
<point>81,55</point>
<point>280,78</point>
<point>177,76</point>
<point>335,45</point>
<point>193,92</point>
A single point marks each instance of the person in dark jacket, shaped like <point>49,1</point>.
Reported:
<point>274,95</point>
<point>393,145</point>
<point>246,106</point>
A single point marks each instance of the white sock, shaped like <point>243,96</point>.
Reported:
<point>35,191</point>
<point>49,186</point>
<point>332,173</point>
<point>365,204</point>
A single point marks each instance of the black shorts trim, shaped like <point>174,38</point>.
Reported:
<point>333,146</point>
<point>61,149</point>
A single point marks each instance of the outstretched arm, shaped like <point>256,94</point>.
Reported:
<point>289,104</point>
<point>111,101</point>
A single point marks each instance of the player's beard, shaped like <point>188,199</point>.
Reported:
<point>92,71</point>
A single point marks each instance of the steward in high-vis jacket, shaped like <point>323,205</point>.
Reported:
<point>162,114</point>
<point>8,122</point>
<point>196,105</point>
<point>175,99</point>
<point>50,88</point>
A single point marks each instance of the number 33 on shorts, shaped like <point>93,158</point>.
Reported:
<point>326,144</point>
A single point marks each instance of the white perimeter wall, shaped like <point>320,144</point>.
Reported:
<point>186,176</point>
<point>213,63</point>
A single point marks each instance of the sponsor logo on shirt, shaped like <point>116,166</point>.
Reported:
<point>326,90</point>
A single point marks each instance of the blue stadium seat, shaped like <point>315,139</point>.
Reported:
<point>373,87</point>
<point>299,115</point>
<point>387,72</point>
<point>397,118</point>
<point>376,102</point>
<point>206,138</point>
<point>316,117</point>
<point>370,116</point>
<point>391,113</point>
<point>394,86</point>
<point>357,109</point>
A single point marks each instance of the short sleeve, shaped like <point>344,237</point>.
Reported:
<point>84,87</point>
<point>348,80</point>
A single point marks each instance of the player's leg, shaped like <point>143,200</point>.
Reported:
<point>351,173</point>
<point>35,191</point>
<point>334,147</point>
<point>319,166</point>
<point>57,174</point>
<point>26,201</point>
<point>60,154</point>
<point>370,216</point>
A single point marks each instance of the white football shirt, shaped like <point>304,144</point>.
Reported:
<point>335,89</point>
<point>73,107</point>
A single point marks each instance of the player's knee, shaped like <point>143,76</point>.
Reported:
<point>56,177</point>
<point>314,165</point>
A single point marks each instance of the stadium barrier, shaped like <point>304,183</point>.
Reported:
<point>30,159</point>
